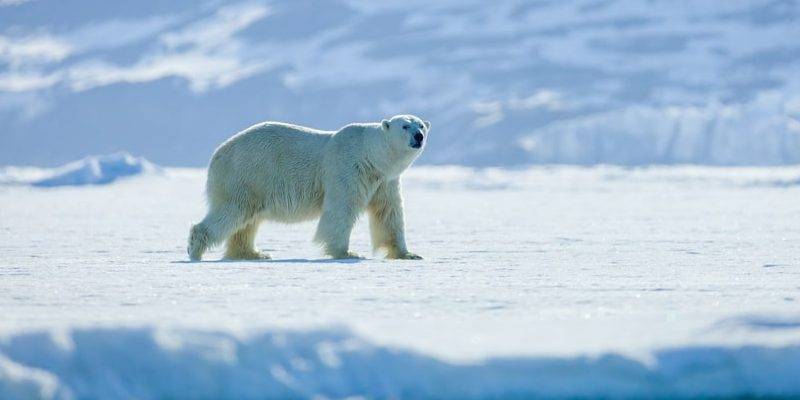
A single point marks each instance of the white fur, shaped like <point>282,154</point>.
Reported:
<point>287,173</point>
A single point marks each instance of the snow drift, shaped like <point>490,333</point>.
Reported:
<point>92,170</point>
<point>147,363</point>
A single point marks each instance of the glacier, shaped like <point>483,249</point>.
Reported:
<point>630,82</point>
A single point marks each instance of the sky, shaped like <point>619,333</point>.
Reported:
<point>629,82</point>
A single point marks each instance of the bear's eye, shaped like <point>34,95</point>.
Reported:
<point>405,127</point>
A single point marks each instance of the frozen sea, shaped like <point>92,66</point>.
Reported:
<point>537,282</point>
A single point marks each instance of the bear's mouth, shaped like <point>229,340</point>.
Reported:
<point>416,145</point>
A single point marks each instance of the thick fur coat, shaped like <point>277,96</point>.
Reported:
<point>281,172</point>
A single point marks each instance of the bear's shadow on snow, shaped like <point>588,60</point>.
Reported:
<point>278,261</point>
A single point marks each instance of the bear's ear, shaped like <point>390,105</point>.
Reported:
<point>385,124</point>
<point>427,124</point>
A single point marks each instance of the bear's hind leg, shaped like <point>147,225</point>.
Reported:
<point>241,245</point>
<point>198,241</point>
<point>218,224</point>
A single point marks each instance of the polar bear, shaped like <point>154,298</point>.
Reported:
<point>287,173</point>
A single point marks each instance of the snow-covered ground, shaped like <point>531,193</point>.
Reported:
<point>549,281</point>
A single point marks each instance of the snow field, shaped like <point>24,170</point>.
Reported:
<point>549,281</point>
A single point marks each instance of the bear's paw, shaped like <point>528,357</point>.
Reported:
<point>405,256</point>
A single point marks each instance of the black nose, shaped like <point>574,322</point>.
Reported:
<point>418,137</point>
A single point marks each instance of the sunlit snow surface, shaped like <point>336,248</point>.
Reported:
<point>556,282</point>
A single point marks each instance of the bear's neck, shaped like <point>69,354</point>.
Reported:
<point>388,162</point>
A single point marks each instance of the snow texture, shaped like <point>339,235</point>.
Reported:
<point>537,282</point>
<point>280,364</point>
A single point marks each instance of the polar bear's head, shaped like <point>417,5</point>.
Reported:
<point>406,131</point>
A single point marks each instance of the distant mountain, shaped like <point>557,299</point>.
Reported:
<point>627,82</point>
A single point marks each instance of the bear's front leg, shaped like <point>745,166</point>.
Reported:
<point>333,233</point>
<point>386,224</point>
<point>340,209</point>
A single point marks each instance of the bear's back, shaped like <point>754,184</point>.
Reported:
<point>274,162</point>
<point>273,144</point>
